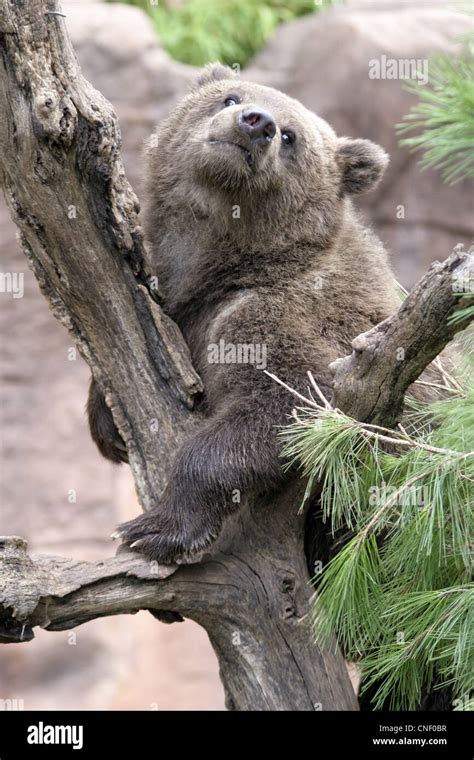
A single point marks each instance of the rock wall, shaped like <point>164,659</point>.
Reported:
<point>324,60</point>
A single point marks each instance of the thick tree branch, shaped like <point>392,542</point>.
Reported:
<point>43,590</point>
<point>251,595</point>
<point>370,384</point>
<point>64,182</point>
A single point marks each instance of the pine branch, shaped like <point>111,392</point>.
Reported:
<point>444,116</point>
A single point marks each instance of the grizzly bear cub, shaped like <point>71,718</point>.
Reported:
<point>263,263</point>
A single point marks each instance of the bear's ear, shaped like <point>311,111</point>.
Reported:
<point>213,72</point>
<point>362,163</point>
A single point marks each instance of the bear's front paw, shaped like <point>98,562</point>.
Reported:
<point>160,536</point>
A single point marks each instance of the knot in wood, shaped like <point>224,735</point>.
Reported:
<point>45,104</point>
<point>287,584</point>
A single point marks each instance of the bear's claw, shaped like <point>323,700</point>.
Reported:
<point>162,539</point>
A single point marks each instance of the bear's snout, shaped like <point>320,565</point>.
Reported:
<point>257,124</point>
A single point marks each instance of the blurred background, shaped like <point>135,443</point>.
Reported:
<point>55,490</point>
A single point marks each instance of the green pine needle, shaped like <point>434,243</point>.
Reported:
<point>397,596</point>
<point>444,116</point>
<point>433,635</point>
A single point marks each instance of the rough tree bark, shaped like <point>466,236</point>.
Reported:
<point>63,179</point>
<point>370,384</point>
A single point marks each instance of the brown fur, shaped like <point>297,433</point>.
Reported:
<point>297,272</point>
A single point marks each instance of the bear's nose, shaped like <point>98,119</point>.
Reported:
<point>258,124</point>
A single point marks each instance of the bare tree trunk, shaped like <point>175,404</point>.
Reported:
<point>63,178</point>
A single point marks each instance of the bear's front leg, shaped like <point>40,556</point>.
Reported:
<point>236,453</point>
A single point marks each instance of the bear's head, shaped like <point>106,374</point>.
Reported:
<point>233,140</point>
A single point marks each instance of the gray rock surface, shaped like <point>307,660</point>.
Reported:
<point>323,60</point>
<point>120,54</point>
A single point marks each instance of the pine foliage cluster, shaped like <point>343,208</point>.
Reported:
<point>443,117</point>
<point>399,595</point>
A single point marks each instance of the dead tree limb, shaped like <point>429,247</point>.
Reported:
<point>65,185</point>
<point>371,383</point>
<point>62,174</point>
<point>252,596</point>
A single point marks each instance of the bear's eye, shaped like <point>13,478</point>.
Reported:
<point>288,137</point>
<point>232,100</point>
